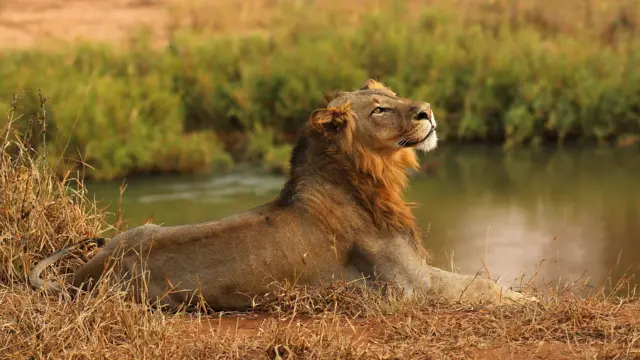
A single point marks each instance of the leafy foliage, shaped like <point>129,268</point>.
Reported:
<point>144,108</point>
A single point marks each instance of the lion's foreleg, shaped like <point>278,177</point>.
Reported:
<point>402,265</point>
<point>458,287</point>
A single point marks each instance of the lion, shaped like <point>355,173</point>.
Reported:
<point>340,216</point>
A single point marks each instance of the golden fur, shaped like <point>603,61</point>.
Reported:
<point>378,180</point>
<point>341,214</point>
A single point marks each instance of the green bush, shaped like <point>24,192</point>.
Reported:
<point>115,111</point>
<point>143,108</point>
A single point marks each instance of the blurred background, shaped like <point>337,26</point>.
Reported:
<point>194,105</point>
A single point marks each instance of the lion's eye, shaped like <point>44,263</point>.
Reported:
<point>379,110</point>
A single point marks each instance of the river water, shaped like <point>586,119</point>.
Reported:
<point>548,214</point>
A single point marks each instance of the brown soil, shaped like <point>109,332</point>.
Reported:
<point>27,23</point>
<point>48,23</point>
<point>375,333</point>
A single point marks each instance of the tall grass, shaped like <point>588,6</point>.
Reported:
<point>39,212</point>
<point>502,72</point>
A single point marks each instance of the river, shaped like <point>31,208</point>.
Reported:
<point>569,215</point>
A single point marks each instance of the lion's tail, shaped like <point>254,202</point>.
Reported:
<point>34,274</point>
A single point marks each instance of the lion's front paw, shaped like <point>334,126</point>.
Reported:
<point>487,291</point>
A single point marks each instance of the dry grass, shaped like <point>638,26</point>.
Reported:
<point>106,325</point>
<point>40,213</point>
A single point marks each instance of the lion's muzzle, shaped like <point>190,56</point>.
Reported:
<point>425,113</point>
<point>429,141</point>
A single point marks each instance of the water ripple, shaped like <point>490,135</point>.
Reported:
<point>221,189</point>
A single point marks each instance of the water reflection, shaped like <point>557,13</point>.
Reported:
<point>575,210</point>
<point>216,190</point>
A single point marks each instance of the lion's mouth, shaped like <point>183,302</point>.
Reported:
<point>412,143</point>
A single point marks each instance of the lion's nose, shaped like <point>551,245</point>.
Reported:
<point>424,113</point>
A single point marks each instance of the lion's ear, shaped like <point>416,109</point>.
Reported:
<point>373,84</point>
<point>330,121</point>
<point>332,95</point>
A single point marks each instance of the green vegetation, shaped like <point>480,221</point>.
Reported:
<point>194,104</point>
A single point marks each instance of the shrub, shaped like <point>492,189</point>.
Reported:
<point>493,75</point>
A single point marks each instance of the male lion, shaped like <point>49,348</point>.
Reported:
<point>340,215</point>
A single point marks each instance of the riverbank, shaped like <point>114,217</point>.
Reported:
<point>40,214</point>
<point>208,94</point>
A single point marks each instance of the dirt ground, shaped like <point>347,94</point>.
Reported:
<point>373,333</point>
<point>48,23</point>
<point>27,23</point>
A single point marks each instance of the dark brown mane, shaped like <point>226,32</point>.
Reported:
<point>350,188</point>
<point>375,182</point>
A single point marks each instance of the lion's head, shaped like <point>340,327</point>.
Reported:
<point>360,146</point>
<point>377,119</point>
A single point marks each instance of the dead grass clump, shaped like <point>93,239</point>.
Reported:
<point>338,298</point>
<point>105,325</point>
<point>310,324</point>
<point>586,325</point>
<point>344,321</point>
<point>39,213</point>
